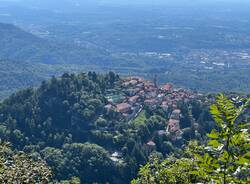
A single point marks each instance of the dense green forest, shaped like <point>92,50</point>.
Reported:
<point>65,123</point>
<point>16,75</point>
<point>19,75</point>
<point>19,167</point>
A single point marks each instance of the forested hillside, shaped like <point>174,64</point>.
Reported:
<point>19,75</point>
<point>102,128</point>
<point>68,122</point>
<point>16,75</point>
<point>19,45</point>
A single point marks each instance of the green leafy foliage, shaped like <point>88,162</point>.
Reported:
<point>17,167</point>
<point>73,180</point>
<point>223,159</point>
<point>84,160</point>
<point>59,111</point>
<point>171,171</point>
<point>48,121</point>
<point>226,157</point>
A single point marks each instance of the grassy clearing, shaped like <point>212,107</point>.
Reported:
<point>141,118</point>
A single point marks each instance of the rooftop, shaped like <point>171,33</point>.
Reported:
<point>167,87</point>
<point>123,106</point>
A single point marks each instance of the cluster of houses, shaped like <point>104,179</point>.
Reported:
<point>173,125</point>
<point>137,92</point>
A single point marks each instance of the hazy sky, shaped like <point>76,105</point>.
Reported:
<point>82,3</point>
<point>135,1</point>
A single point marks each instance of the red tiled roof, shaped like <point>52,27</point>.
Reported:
<point>123,106</point>
<point>167,87</point>
<point>173,125</point>
<point>150,101</point>
<point>133,98</point>
<point>134,90</point>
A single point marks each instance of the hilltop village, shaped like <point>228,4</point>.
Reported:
<point>106,122</point>
<point>136,93</point>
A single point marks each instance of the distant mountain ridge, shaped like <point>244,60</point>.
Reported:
<point>16,44</point>
<point>16,75</point>
<point>26,59</point>
<point>81,54</point>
